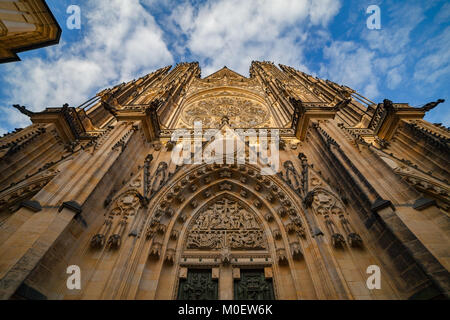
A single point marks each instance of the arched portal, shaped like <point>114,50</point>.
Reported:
<point>225,231</point>
<point>226,225</point>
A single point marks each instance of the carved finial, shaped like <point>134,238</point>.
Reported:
<point>431,105</point>
<point>23,110</point>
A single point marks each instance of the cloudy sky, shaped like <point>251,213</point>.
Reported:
<point>408,60</point>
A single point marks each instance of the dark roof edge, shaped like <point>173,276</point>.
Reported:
<point>36,45</point>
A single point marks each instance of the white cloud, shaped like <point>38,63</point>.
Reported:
<point>235,32</point>
<point>322,11</point>
<point>395,36</point>
<point>386,56</point>
<point>436,63</point>
<point>352,65</point>
<point>444,14</point>
<point>122,41</point>
<point>394,78</point>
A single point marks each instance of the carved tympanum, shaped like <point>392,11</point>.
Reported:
<point>225,224</point>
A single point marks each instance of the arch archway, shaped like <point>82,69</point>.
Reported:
<point>173,212</point>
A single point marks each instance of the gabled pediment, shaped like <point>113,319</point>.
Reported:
<point>225,73</point>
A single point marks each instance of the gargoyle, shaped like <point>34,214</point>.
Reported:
<point>431,105</point>
<point>342,104</point>
<point>23,110</point>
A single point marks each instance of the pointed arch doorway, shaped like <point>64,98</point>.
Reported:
<point>225,247</point>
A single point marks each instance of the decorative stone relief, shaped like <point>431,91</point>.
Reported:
<point>353,238</point>
<point>281,256</point>
<point>291,176</point>
<point>296,250</point>
<point>337,240</point>
<point>243,113</point>
<point>225,224</point>
<point>330,208</point>
<point>127,205</point>
<point>170,256</point>
<point>158,179</point>
<point>98,241</point>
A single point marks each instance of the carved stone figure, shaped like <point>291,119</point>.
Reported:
<point>158,179</point>
<point>225,224</point>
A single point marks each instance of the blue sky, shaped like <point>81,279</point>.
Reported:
<point>408,60</point>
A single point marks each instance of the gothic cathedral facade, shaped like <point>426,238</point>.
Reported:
<point>357,207</point>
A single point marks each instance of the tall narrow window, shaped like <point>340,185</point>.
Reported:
<point>253,285</point>
<point>199,285</point>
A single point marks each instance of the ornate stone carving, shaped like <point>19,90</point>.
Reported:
<point>98,240</point>
<point>277,234</point>
<point>301,232</point>
<point>207,194</point>
<point>269,217</point>
<point>353,238</point>
<point>270,198</point>
<point>127,205</point>
<point>290,228</point>
<point>296,250</point>
<point>115,239</point>
<point>281,256</point>
<point>174,234</point>
<point>291,176</point>
<point>287,203</point>
<point>182,217</point>
<point>207,180</point>
<point>241,112</point>
<point>337,240</point>
<point>169,212</point>
<point>282,212</point>
<point>180,198</point>
<point>170,256</point>
<point>225,174</point>
<point>158,179</point>
<point>225,224</point>
<point>161,228</point>
<point>297,221</point>
<point>225,186</point>
<point>155,250</point>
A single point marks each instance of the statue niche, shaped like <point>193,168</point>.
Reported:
<point>125,207</point>
<point>225,224</point>
<point>333,213</point>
